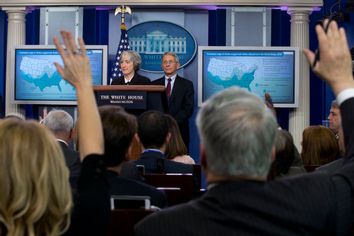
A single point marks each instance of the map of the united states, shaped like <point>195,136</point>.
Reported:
<point>230,73</point>
<point>41,73</point>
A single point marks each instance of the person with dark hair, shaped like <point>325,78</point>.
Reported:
<point>153,133</point>
<point>176,150</point>
<point>129,64</point>
<point>335,124</point>
<point>287,158</point>
<point>237,136</point>
<point>119,129</point>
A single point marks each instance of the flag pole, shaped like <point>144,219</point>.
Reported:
<point>123,10</point>
<point>123,43</point>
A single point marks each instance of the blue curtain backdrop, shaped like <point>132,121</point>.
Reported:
<point>217,27</point>
<point>32,38</point>
<point>95,28</point>
<point>3,39</point>
<point>280,36</point>
<point>95,31</point>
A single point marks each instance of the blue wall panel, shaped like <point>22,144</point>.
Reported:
<point>32,38</point>
<point>2,60</point>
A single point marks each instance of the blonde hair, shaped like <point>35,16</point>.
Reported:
<point>35,197</point>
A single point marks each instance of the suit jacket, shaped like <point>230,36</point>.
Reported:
<point>136,80</point>
<point>308,204</point>
<point>155,162</point>
<point>180,103</point>
<point>124,186</point>
<point>92,205</point>
<point>72,159</point>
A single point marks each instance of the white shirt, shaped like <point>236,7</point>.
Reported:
<point>345,95</point>
<point>173,78</point>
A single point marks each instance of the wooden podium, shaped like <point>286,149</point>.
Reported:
<point>134,98</point>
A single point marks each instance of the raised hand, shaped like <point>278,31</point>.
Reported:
<point>335,64</point>
<point>77,70</point>
<point>269,102</point>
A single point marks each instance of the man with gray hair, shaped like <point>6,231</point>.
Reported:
<point>237,134</point>
<point>61,124</point>
<point>179,93</point>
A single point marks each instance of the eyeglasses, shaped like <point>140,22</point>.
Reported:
<point>168,62</point>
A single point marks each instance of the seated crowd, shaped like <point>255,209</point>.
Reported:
<point>239,141</point>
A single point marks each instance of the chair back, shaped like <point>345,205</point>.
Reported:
<point>122,221</point>
<point>178,187</point>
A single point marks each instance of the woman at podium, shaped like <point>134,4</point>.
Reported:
<point>129,64</point>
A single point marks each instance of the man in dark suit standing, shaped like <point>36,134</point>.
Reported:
<point>180,93</point>
<point>61,124</point>
<point>237,135</point>
<point>153,133</point>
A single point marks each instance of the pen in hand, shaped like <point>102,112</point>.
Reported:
<point>317,52</point>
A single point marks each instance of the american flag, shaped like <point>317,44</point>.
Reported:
<point>123,45</point>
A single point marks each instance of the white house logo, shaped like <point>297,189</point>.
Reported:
<point>151,39</point>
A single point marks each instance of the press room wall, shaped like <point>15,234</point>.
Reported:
<point>209,27</point>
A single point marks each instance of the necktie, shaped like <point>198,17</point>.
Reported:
<point>168,88</point>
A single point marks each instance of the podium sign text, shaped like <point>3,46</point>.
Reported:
<point>126,99</point>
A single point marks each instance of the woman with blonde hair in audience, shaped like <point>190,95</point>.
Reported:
<point>319,146</point>
<point>176,150</point>
<point>35,194</point>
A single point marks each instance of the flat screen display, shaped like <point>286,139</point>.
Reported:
<point>36,80</point>
<point>257,69</point>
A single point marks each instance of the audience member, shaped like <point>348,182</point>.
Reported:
<point>154,135</point>
<point>335,124</point>
<point>91,208</point>
<point>180,93</point>
<point>129,64</point>
<point>319,146</point>
<point>287,158</point>
<point>61,124</point>
<point>237,135</point>
<point>119,128</point>
<point>176,150</point>
<point>268,101</point>
<point>35,192</point>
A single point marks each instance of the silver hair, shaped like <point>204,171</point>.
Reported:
<point>170,54</point>
<point>238,133</point>
<point>59,121</point>
<point>133,57</point>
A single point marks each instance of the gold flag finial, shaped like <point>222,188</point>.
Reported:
<point>123,10</point>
